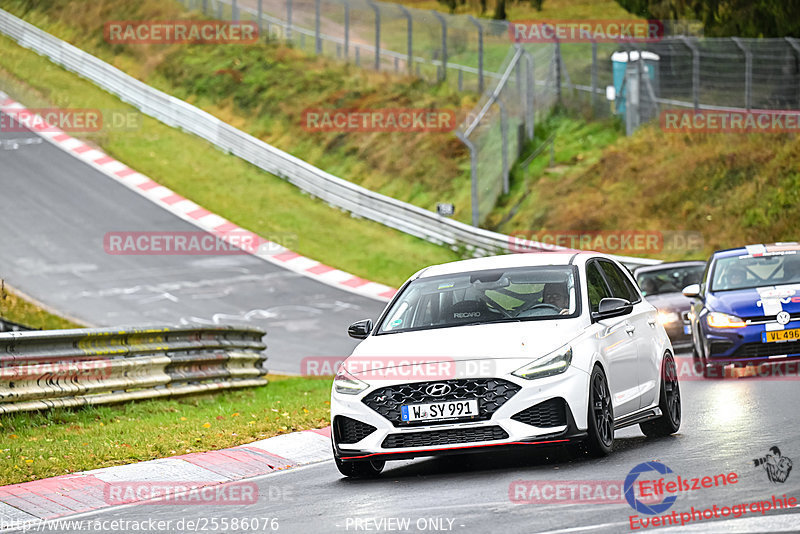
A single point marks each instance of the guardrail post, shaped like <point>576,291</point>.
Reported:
<point>377,11</point>
<point>748,71</point>
<point>409,37</point>
<point>473,172</point>
<point>444,44</point>
<point>695,71</point>
<point>317,36</point>
<point>289,21</point>
<point>480,52</point>
<point>793,43</point>
<point>504,132</point>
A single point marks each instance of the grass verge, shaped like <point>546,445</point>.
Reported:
<point>21,311</point>
<point>45,444</point>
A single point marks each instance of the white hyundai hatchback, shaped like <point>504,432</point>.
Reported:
<point>507,351</point>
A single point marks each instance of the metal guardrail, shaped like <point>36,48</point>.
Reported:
<point>318,183</point>
<point>45,369</point>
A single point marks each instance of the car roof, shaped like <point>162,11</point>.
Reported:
<point>757,249</point>
<point>670,265</point>
<point>507,261</point>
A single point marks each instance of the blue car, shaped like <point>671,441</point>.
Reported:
<point>746,310</point>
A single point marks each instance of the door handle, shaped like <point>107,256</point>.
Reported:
<point>629,328</point>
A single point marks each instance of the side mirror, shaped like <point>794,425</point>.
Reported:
<point>692,291</point>
<point>360,329</point>
<point>612,307</point>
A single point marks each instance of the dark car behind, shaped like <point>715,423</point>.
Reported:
<point>662,286</point>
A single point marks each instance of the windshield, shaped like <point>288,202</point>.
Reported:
<point>745,272</point>
<point>669,280</point>
<point>484,297</point>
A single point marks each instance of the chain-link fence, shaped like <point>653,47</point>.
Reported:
<point>635,81</point>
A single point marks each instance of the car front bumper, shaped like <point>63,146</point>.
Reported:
<point>498,432</point>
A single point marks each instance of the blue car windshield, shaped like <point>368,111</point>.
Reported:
<point>747,271</point>
<point>499,295</point>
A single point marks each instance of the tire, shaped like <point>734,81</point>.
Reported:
<point>600,415</point>
<point>360,468</point>
<point>669,402</point>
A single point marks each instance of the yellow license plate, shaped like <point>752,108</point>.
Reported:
<point>792,334</point>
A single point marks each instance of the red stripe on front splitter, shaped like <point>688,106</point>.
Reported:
<point>456,448</point>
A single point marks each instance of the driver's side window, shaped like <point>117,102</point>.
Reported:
<point>596,286</point>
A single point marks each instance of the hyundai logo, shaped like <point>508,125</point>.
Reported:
<point>438,390</point>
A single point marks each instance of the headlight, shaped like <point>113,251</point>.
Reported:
<point>723,320</point>
<point>667,317</point>
<point>347,383</point>
<point>553,364</point>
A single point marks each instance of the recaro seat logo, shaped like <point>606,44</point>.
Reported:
<point>466,315</point>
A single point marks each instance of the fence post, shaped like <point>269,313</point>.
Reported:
<point>235,11</point>
<point>443,22</point>
<point>289,21</point>
<point>504,132</point>
<point>377,11</point>
<point>793,43</point>
<point>317,36</point>
<point>557,53</point>
<point>409,37</point>
<point>530,93</point>
<point>695,71</point>
<point>748,71</point>
<point>219,10</point>
<point>346,29</point>
<point>205,6</point>
<point>473,172</point>
<point>480,52</point>
<point>594,76</point>
<point>260,15</point>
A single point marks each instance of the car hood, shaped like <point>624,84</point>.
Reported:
<point>524,340</point>
<point>756,302</point>
<point>670,302</point>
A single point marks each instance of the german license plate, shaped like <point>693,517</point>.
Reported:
<point>439,410</point>
<point>792,334</point>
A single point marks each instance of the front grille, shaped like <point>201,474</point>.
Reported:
<point>764,350</point>
<point>443,437</point>
<point>720,347</point>
<point>346,430</point>
<point>552,412</point>
<point>491,394</point>
<point>763,319</point>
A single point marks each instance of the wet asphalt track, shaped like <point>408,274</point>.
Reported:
<point>54,212</point>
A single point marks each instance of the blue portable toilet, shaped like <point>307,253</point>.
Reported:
<point>619,64</point>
